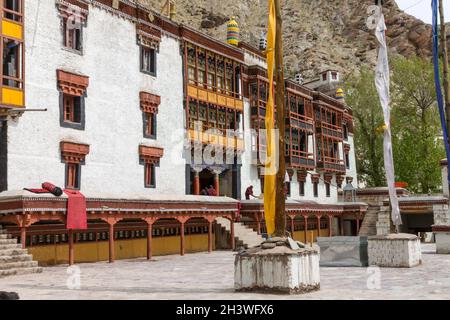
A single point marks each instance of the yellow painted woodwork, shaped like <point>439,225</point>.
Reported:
<point>300,235</point>
<point>192,91</point>
<point>239,105</point>
<point>212,97</point>
<point>11,29</point>
<point>124,249</point>
<point>222,100</point>
<point>203,95</point>
<point>12,97</point>
<point>230,102</point>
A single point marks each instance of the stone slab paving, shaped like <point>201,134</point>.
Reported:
<point>210,276</point>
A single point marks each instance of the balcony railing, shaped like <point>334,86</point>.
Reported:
<point>236,143</point>
<point>331,164</point>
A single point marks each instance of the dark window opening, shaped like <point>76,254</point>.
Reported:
<point>12,10</point>
<point>149,125</point>
<point>72,35</point>
<point>327,188</point>
<point>303,142</point>
<point>288,188</point>
<point>261,180</point>
<point>149,175</point>
<point>12,63</point>
<point>73,176</point>
<point>148,60</point>
<point>345,132</point>
<point>324,77</point>
<point>302,188</point>
<point>316,189</point>
<point>334,75</point>
<point>72,109</point>
<point>347,161</point>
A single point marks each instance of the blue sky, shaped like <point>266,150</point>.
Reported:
<point>422,9</point>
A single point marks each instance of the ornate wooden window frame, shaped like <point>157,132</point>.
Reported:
<point>150,158</point>
<point>73,155</point>
<point>78,10</point>
<point>149,105</point>
<point>73,85</point>
<point>148,40</point>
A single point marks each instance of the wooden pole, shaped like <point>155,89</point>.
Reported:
<point>280,220</point>
<point>71,256</point>
<point>149,240</point>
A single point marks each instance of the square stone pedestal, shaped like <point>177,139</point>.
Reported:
<point>442,238</point>
<point>343,251</point>
<point>277,270</point>
<point>395,250</point>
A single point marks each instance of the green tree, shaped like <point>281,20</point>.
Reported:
<point>416,132</point>
<point>362,97</point>
<point>416,129</point>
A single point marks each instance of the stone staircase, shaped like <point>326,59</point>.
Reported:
<point>13,259</point>
<point>244,236</point>
<point>369,224</point>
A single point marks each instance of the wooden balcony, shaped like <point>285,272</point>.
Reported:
<point>234,143</point>
<point>301,160</point>
<point>211,95</point>
<point>329,130</point>
<point>329,164</point>
<point>301,122</point>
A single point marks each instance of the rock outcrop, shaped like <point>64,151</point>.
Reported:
<point>318,34</point>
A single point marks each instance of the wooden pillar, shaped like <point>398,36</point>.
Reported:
<point>210,237</point>
<point>111,243</point>
<point>318,226</point>
<point>149,240</point>
<point>357,225</point>
<point>196,183</point>
<point>182,239</point>
<point>258,223</point>
<point>71,252</point>
<point>306,228</point>
<point>216,183</point>
<point>233,245</point>
<point>330,225</point>
<point>292,226</point>
<point>341,223</point>
<point>23,237</point>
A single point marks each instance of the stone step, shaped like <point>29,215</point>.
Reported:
<point>18,265</point>
<point>8,241</point>
<point>12,252</point>
<point>5,235</point>
<point>4,273</point>
<point>16,258</point>
<point>10,246</point>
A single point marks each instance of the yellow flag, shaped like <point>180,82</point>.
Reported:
<point>270,175</point>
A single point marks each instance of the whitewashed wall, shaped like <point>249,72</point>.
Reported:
<point>113,116</point>
<point>352,171</point>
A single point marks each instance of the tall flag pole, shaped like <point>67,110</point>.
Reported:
<point>437,80</point>
<point>382,82</point>
<point>270,166</point>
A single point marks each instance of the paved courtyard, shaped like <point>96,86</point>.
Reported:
<point>210,276</point>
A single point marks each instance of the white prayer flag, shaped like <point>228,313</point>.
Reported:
<point>382,81</point>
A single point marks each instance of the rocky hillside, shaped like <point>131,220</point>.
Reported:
<point>318,34</point>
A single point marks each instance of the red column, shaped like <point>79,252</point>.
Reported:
<point>233,245</point>
<point>258,223</point>
<point>111,243</point>
<point>71,255</point>
<point>318,226</point>
<point>210,237</point>
<point>330,223</point>
<point>23,237</point>
<point>357,225</point>
<point>216,183</point>
<point>292,226</point>
<point>196,183</point>
<point>182,239</point>
<point>149,240</point>
<point>306,228</point>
